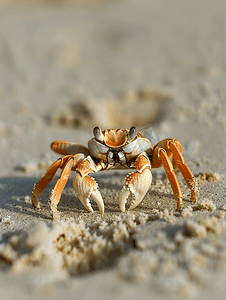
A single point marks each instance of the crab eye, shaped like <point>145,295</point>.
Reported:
<point>97,133</point>
<point>132,132</point>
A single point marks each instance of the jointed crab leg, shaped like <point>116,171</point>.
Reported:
<point>172,177</point>
<point>136,183</point>
<point>66,148</point>
<point>184,169</point>
<point>60,184</point>
<point>162,152</point>
<point>45,180</point>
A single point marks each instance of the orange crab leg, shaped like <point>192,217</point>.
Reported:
<point>66,148</point>
<point>60,184</point>
<point>172,176</point>
<point>45,180</point>
<point>183,167</point>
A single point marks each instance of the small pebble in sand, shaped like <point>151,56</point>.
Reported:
<point>6,220</point>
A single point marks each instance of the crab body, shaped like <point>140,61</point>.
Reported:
<point>114,149</point>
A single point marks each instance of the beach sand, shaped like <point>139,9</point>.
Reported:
<point>69,66</point>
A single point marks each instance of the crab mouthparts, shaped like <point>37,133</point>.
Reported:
<point>116,157</point>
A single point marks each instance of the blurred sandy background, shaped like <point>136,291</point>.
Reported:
<point>67,66</point>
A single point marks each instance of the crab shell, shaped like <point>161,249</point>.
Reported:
<point>118,148</point>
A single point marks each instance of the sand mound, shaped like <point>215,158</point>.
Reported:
<point>113,112</point>
<point>182,254</point>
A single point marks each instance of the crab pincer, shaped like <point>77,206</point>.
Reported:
<point>86,187</point>
<point>136,183</point>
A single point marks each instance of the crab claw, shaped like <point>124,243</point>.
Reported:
<point>137,184</point>
<point>86,187</point>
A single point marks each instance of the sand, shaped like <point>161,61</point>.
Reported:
<point>67,67</point>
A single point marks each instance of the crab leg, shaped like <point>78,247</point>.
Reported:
<point>60,184</point>
<point>45,180</point>
<point>172,176</point>
<point>161,156</point>
<point>136,183</point>
<point>184,169</point>
<point>85,186</point>
<point>66,148</point>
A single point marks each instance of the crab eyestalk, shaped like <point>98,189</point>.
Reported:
<point>132,132</point>
<point>98,133</point>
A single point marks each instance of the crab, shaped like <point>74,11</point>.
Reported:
<point>115,149</point>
